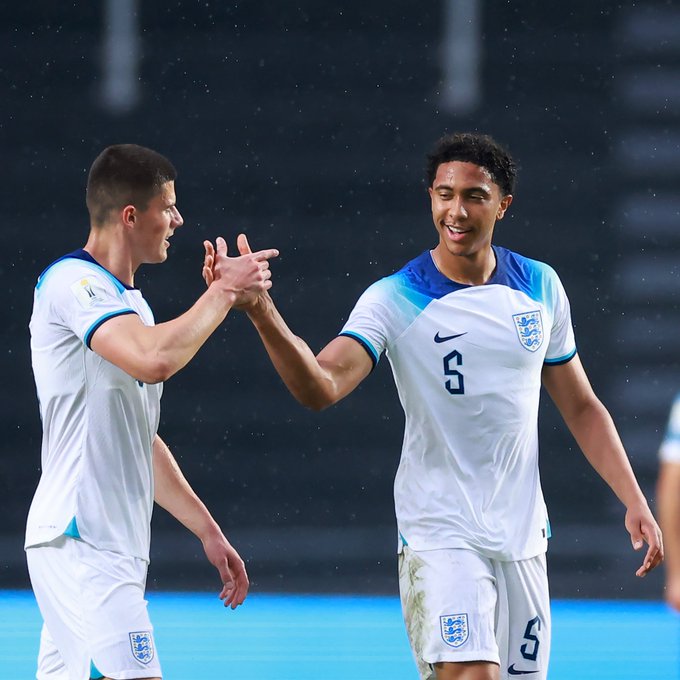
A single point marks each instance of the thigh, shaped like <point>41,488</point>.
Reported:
<point>524,624</point>
<point>449,605</point>
<point>116,616</point>
<point>63,643</point>
<point>51,666</point>
<point>105,629</point>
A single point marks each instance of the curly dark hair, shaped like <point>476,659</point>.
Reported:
<point>481,150</point>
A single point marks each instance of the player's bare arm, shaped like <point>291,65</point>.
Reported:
<point>315,381</point>
<point>154,353</point>
<point>593,428</point>
<point>173,493</point>
<point>668,509</point>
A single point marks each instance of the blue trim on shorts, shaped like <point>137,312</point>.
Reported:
<point>72,530</point>
<point>403,540</point>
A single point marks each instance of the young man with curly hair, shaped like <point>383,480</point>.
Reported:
<point>471,331</point>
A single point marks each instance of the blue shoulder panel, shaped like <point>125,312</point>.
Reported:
<point>86,257</point>
<point>421,282</point>
<point>521,273</point>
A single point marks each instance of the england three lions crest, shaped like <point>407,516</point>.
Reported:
<point>454,629</point>
<point>142,645</point>
<point>529,327</point>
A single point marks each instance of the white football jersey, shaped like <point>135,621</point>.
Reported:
<point>467,363</point>
<point>98,422</point>
<point>670,446</point>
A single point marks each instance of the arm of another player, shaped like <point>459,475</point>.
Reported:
<point>593,428</point>
<point>315,381</point>
<point>174,494</point>
<point>668,508</point>
<point>154,353</point>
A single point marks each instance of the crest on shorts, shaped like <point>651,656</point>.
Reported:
<point>142,645</point>
<point>529,327</point>
<point>454,629</point>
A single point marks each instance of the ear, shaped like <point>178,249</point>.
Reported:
<point>504,205</point>
<point>129,216</point>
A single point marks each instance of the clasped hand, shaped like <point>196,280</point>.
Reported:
<point>247,275</point>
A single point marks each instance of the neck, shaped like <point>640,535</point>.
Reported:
<point>471,270</point>
<point>108,246</point>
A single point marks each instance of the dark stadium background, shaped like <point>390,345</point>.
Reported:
<point>305,125</point>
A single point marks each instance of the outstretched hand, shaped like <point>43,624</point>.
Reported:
<point>643,528</point>
<point>247,275</point>
<point>231,567</point>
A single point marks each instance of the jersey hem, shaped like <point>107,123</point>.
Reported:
<point>30,543</point>
<point>499,555</point>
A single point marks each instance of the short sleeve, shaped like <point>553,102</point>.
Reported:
<point>562,344</point>
<point>377,318</point>
<point>82,297</point>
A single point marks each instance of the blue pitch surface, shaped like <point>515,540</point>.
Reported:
<point>298,637</point>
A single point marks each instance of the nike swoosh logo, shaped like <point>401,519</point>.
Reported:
<point>444,338</point>
<point>513,671</point>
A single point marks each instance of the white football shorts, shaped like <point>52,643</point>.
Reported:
<point>460,606</point>
<point>95,616</point>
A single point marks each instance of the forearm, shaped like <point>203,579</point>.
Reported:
<point>593,429</point>
<point>303,375</point>
<point>174,494</point>
<point>668,508</point>
<point>171,345</point>
<point>152,354</point>
<point>597,437</point>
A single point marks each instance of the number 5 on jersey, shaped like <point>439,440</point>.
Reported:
<point>455,384</point>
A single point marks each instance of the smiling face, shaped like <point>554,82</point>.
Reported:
<point>154,226</point>
<point>466,203</point>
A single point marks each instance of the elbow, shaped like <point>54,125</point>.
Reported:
<point>316,406</point>
<point>316,401</point>
<point>155,371</point>
<point>314,393</point>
